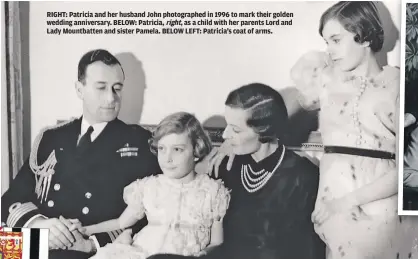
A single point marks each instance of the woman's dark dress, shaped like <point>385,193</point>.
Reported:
<point>274,222</point>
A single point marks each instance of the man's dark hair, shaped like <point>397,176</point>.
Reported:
<point>93,56</point>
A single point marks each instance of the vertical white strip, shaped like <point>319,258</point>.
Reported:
<point>43,244</point>
<point>26,243</point>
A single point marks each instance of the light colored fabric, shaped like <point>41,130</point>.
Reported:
<point>357,112</point>
<point>180,216</point>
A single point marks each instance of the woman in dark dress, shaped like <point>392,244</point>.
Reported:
<point>273,189</point>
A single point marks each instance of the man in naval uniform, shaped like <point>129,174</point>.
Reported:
<point>76,171</point>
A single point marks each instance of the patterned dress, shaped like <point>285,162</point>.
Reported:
<point>180,216</point>
<point>360,113</point>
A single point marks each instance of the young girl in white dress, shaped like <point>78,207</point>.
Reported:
<point>356,209</point>
<point>184,209</point>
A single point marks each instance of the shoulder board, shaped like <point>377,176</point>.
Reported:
<point>34,152</point>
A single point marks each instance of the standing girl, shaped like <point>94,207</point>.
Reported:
<point>356,209</point>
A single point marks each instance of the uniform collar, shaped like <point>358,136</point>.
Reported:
<point>98,128</point>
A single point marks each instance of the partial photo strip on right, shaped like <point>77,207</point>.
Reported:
<point>408,112</point>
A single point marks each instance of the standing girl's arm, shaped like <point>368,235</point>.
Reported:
<point>383,187</point>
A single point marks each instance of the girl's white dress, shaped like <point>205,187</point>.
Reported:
<point>179,216</point>
<point>361,113</point>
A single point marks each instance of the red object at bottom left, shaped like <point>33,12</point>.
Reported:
<point>11,245</point>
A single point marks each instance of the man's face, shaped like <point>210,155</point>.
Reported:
<point>101,92</point>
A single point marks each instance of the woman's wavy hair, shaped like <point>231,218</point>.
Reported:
<point>268,112</point>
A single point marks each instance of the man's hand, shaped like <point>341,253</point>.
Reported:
<point>59,235</point>
<point>81,244</point>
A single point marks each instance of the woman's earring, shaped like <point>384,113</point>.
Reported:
<point>196,159</point>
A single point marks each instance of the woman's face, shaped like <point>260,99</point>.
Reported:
<point>242,138</point>
<point>345,53</point>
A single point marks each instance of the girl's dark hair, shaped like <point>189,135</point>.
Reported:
<point>360,18</point>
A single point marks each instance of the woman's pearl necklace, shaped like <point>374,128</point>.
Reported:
<point>261,177</point>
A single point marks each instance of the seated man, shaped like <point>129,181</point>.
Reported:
<point>76,171</point>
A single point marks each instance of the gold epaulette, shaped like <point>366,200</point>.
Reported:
<point>43,173</point>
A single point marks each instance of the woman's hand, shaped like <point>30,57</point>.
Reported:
<point>212,161</point>
<point>327,209</point>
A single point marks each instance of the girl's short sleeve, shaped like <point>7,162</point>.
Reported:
<point>133,195</point>
<point>220,202</point>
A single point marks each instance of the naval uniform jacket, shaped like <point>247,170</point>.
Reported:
<point>86,185</point>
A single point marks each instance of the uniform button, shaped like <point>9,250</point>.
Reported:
<point>88,195</point>
<point>85,210</point>
<point>50,203</point>
<point>57,186</point>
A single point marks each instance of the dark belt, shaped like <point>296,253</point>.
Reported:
<point>359,152</point>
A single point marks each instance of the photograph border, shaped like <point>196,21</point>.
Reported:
<point>401,115</point>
